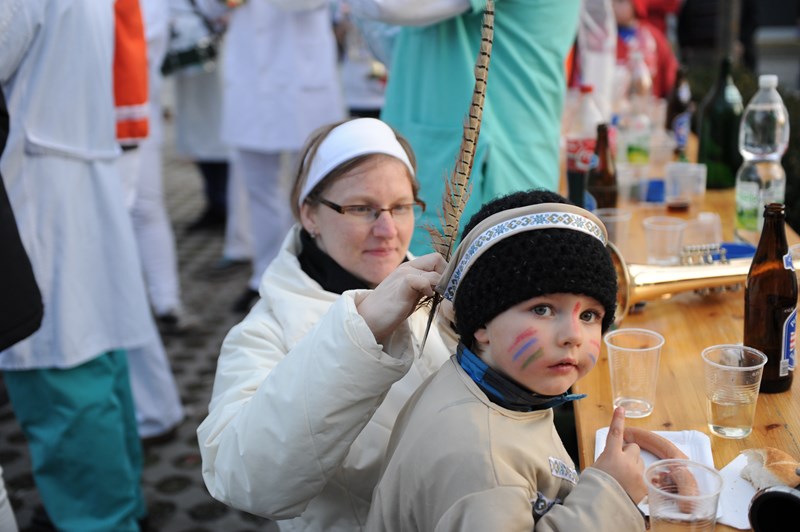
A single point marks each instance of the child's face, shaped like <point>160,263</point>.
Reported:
<point>623,12</point>
<point>545,343</point>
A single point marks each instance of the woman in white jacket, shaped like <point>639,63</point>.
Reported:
<point>308,386</point>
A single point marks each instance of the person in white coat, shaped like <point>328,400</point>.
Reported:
<point>158,405</point>
<point>280,83</point>
<point>68,382</point>
<point>309,384</point>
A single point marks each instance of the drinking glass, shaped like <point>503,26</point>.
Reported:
<point>682,495</point>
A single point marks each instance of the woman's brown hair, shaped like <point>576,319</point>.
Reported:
<point>309,151</point>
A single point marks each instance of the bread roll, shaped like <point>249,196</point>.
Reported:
<point>770,467</point>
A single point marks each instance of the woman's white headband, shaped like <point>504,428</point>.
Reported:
<point>349,140</point>
<point>508,223</point>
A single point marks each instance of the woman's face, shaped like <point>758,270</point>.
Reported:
<point>366,247</point>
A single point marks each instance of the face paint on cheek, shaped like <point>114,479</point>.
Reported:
<point>524,348</point>
<point>538,354</point>
<point>521,337</point>
<point>593,356</point>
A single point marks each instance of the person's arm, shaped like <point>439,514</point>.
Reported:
<point>596,503</point>
<point>414,12</point>
<point>281,423</point>
<point>19,22</point>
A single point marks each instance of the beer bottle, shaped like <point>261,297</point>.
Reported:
<point>720,113</point>
<point>770,303</point>
<point>602,181</point>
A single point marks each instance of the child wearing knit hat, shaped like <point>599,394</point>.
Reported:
<point>533,289</point>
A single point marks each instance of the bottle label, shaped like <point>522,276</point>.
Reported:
<point>748,203</point>
<point>680,126</point>
<point>788,264</point>
<point>788,354</point>
<point>580,154</point>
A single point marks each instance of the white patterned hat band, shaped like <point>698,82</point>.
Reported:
<point>351,139</point>
<point>507,223</point>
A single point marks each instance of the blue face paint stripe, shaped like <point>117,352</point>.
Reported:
<point>524,347</point>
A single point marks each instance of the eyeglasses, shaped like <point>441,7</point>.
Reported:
<point>371,213</point>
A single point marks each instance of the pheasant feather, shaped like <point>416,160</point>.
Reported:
<point>457,189</point>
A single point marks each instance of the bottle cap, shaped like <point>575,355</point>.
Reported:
<point>585,89</point>
<point>767,81</point>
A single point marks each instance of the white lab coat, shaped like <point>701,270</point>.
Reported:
<point>279,74</point>
<point>60,171</point>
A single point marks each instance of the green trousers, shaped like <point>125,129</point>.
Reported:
<point>80,425</point>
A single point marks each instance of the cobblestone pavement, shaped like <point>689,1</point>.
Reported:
<point>176,496</point>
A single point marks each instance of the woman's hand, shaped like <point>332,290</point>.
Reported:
<point>622,460</point>
<point>395,298</point>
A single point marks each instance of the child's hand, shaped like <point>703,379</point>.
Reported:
<point>622,460</point>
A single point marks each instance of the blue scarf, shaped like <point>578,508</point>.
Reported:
<point>503,391</point>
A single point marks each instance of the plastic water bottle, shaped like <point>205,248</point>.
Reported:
<point>763,139</point>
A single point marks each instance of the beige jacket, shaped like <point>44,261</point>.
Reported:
<point>457,461</point>
<point>304,402</point>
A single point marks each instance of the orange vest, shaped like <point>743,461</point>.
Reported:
<point>130,73</point>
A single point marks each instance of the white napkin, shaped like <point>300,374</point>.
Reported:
<point>734,501</point>
<point>694,444</point>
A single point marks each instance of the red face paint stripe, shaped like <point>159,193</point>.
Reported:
<point>524,335</point>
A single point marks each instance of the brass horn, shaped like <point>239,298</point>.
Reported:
<point>644,282</point>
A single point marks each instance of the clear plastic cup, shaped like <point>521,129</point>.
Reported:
<point>633,358</point>
<point>732,377</point>
<point>664,239</point>
<point>682,495</point>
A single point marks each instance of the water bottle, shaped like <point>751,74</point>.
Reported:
<point>763,138</point>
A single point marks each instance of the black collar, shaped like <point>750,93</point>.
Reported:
<point>323,269</point>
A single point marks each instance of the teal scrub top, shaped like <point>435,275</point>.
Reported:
<point>430,88</point>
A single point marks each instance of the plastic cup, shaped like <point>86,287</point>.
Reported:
<point>664,237</point>
<point>685,185</point>
<point>732,377</point>
<point>703,230</point>
<point>633,357</point>
<point>617,222</point>
<point>682,495</point>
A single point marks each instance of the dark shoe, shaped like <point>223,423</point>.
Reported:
<point>177,322</point>
<point>210,220</point>
<point>225,268</point>
<point>161,439</point>
<point>245,301</point>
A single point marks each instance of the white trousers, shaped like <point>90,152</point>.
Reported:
<point>151,222</point>
<point>238,237</point>
<point>268,199</point>
<point>155,394</point>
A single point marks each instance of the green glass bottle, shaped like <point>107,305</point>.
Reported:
<point>720,114</point>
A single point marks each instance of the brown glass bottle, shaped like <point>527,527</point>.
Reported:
<point>770,303</point>
<point>602,180</point>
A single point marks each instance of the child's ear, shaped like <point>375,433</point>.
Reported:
<point>481,336</point>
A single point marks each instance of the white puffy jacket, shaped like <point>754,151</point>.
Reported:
<point>304,402</point>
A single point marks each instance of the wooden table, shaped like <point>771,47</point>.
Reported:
<point>689,323</point>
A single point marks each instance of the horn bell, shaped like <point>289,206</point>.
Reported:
<point>645,282</point>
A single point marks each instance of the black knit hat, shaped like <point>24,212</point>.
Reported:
<point>530,264</point>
